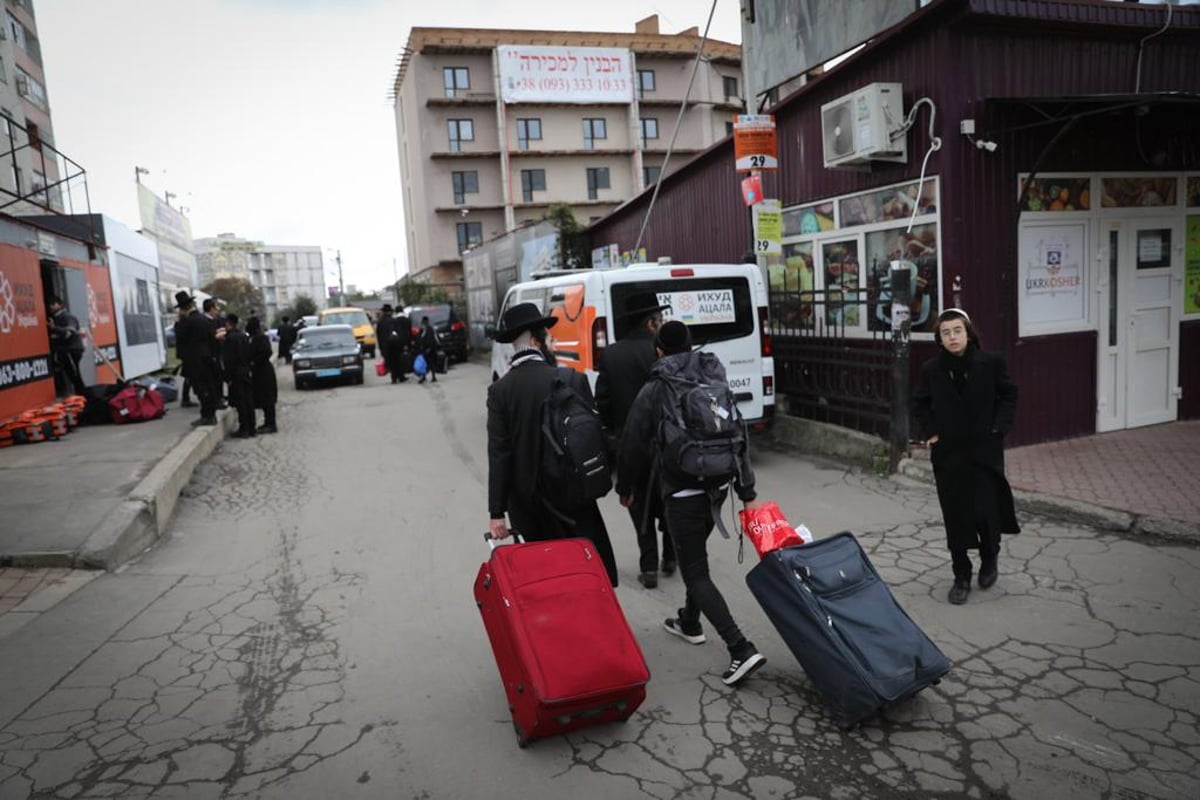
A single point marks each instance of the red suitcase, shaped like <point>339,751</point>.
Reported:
<point>136,403</point>
<point>564,649</point>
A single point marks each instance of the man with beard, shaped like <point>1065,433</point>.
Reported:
<point>514,426</point>
<point>236,357</point>
<point>388,339</point>
<point>262,372</point>
<point>195,344</point>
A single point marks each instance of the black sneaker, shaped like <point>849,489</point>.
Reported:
<point>692,634</point>
<point>959,591</point>
<point>988,572</point>
<point>205,421</point>
<point>741,666</point>
<point>648,579</point>
<point>668,567</point>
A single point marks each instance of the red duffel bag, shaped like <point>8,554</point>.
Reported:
<point>380,368</point>
<point>136,404</point>
<point>767,529</point>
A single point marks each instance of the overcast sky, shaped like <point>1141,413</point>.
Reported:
<point>270,119</point>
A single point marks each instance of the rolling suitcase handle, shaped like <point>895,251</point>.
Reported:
<point>491,540</point>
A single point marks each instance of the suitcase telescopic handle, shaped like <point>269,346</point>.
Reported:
<point>491,540</point>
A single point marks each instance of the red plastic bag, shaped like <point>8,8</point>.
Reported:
<point>767,529</point>
<point>380,368</point>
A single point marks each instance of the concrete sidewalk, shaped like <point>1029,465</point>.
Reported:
<point>1142,480</point>
<point>101,494</point>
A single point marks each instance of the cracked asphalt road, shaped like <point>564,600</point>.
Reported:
<point>307,630</point>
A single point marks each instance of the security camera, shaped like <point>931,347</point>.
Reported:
<point>465,211</point>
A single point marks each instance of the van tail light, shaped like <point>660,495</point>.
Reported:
<point>764,335</point>
<point>458,326</point>
<point>683,272</point>
<point>599,339</point>
<point>768,385</point>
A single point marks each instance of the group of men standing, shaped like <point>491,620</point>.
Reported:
<point>399,343</point>
<point>631,395</point>
<point>216,355</point>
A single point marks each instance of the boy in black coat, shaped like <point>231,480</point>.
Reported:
<point>964,403</point>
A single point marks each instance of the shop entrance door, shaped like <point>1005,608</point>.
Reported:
<point>1138,374</point>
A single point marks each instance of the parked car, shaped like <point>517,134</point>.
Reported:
<point>307,321</point>
<point>452,331</point>
<point>356,318</point>
<point>326,352</point>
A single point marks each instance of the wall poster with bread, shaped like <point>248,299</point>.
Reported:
<point>1191,265</point>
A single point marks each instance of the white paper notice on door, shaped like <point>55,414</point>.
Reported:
<point>1149,247</point>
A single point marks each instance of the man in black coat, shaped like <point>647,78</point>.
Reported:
<point>514,419</point>
<point>427,346</point>
<point>237,362</point>
<point>265,390</point>
<point>402,327</point>
<point>621,373</point>
<point>964,403</point>
<point>194,344</point>
<point>287,338</point>
<point>388,339</point>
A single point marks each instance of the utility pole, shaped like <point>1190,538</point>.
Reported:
<point>341,283</point>
<point>395,281</point>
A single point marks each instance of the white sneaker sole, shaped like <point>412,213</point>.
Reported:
<point>698,639</point>
<point>748,666</point>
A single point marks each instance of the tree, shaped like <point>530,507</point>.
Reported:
<point>236,296</point>
<point>303,306</point>
<point>574,251</point>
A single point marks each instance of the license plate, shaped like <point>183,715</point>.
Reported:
<point>328,373</point>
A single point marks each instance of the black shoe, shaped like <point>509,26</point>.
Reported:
<point>959,591</point>
<point>267,429</point>
<point>746,662</point>
<point>243,435</point>
<point>648,579</point>
<point>204,421</point>
<point>988,572</point>
<point>668,567</point>
<point>187,404</point>
<point>692,634</point>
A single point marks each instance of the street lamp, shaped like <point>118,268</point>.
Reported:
<point>138,172</point>
<point>341,283</point>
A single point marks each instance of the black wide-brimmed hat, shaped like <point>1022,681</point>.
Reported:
<point>643,304</point>
<point>520,318</point>
<point>387,308</point>
<point>182,299</point>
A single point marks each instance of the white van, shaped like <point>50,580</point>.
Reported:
<point>724,306</point>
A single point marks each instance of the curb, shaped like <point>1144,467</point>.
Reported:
<point>142,517</point>
<point>1078,512</point>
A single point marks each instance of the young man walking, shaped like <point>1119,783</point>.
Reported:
<point>690,507</point>
<point>621,374</point>
<point>514,429</point>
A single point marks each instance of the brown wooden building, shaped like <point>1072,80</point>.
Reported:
<point>1067,223</point>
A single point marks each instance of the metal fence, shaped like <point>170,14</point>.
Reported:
<point>831,364</point>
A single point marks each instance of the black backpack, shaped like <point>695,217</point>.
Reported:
<point>701,435</point>
<point>573,468</point>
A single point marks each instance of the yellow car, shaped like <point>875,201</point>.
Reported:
<point>356,318</point>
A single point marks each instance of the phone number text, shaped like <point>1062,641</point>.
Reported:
<point>23,370</point>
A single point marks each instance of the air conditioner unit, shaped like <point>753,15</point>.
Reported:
<point>856,129</point>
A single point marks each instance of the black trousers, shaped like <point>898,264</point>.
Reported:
<point>644,521</point>
<point>536,523</point>
<point>690,521</point>
<point>67,362</point>
<point>269,415</point>
<point>204,383</point>
<point>985,500</point>
<point>393,356</point>
<point>241,397</point>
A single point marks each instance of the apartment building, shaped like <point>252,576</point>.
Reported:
<point>281,272</point>
<point>29,161</point>
<point>495,126</point>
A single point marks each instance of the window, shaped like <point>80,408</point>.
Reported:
<point>597,179</point>
<point>532,180</point>
<point>649,129</point>
<point>593,128</point>
<point>645,81</point>
<point>32,90</point>
<point>528,130</point>
<point>461,130</point>
<point>729,127</point>
<point>455,80</point>
<point>650,175</point>
<point>465,183</point>
<point>469,235</point>
<point>731,86</point>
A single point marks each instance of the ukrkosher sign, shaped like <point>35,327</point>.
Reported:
<point>708,307</point>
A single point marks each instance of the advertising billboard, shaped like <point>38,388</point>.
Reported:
<point>583,75</point>
<point>174,234</point>
<point>26,380</point>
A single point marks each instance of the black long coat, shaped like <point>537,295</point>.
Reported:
<point>514,418</point>
<point>621,373</point>
<point>194,344</point>
<point>262,371</point>
<point>235,356</point>
<point>287,338</point>
<point>970,428</point>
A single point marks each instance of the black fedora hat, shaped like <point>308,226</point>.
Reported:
<point>643,304</point>
<point>182,299</point>
<point>520,318</point>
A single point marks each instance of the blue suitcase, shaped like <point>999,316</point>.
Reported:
<point>856,644</point>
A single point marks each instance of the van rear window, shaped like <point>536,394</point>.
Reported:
<point>714,309</point>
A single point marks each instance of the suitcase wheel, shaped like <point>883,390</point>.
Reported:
<point>521,738</point>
